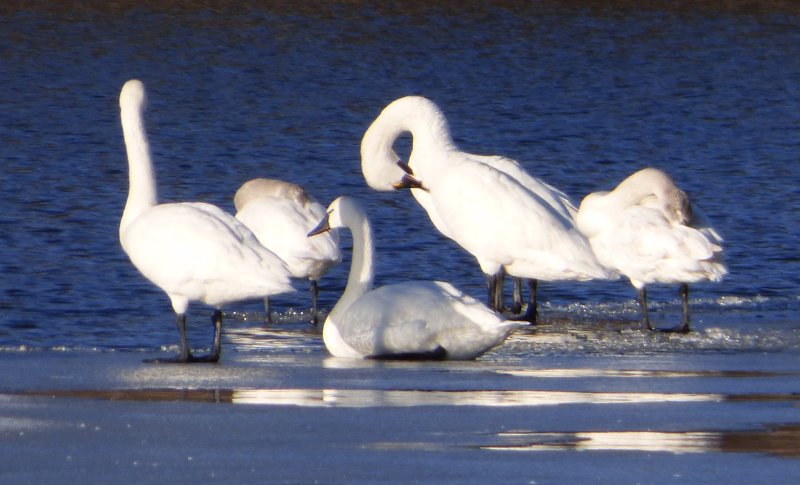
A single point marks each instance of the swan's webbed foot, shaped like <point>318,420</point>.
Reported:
<point>682,328</point>
<point>211,358</point>
<point>528,316</point>
<point>165,360</point>
<point>188,359</point>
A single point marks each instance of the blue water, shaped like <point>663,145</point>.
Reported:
<point>581,95</point>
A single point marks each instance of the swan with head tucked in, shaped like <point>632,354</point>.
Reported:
<point>280,214</point>
<point>193,251</point>
<point>415,319</point>
<point>647,229</point>
<point>510,221</point>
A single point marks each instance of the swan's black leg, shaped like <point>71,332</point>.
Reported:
<point>532,313</point>
<point>491,284</point>
<point>184,354</point>
<point>516,305</point>
<point>643,303</point>
<point>216,348</point>
<point>684,327</point>
<point>499,300</point>
<point>268,318</point>
<point>314,311</point>
<point>217,319</point>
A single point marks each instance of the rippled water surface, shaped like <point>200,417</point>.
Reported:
<point>581,93</point>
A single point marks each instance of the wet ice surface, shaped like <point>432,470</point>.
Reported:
<point>565,402</point>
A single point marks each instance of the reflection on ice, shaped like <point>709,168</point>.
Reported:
<point>364,398</point>
<point>356,398</point>
<point>781,441</point>
<point>633,373</point>
<point>645,441</point>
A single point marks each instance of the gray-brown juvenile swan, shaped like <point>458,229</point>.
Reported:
<point>280,214</point>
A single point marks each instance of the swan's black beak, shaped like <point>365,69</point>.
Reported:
<point>323,226</point>
<point>405,167</point>
<point>408,181</point>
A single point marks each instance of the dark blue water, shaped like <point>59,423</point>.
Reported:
<point>581,95</point>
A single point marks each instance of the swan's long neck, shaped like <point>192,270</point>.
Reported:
<point>412,114</point>
<point>142,193</point>
<point>362,270</point>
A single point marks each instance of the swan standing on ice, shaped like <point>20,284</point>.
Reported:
<point>510,221</point>
<point>280,214</point>
<point>415,319</point>
<point>193,251</point>
<point>647,230</point>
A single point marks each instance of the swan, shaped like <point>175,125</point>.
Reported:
<point>509,220</point>
<point>191,250</point>
<point>415,319</point>
<point>280,214</point>
<point>647,229</point>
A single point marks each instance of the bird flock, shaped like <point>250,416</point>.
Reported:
<point>646,229</point>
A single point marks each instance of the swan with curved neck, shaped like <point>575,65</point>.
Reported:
<point>647,229</point>
<point>280,214</point>
<point>510,221</point>
<point>415,319</point>
<point>192,251</point>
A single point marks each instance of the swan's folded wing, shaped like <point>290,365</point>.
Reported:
<point>494,217</point>
<point>557,199</point>
<point>174,237</point>
<point>392,319</point>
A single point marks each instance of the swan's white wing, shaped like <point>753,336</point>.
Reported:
<point>202,252</point>
<point>282,226</point>
<point>501,222</point>
<point>557,199</point>
<point>644,246</point>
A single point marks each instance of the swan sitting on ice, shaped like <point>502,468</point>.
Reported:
<point>193,251</point>
<point>411,320</point>
<point>647,229</point>
<point>280,214</point>
<point>510,221</point>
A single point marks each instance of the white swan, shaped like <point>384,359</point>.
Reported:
<point>192,251</point>
<point>647,230</point>
<point>509,220</point>
<point>280,214</point>
<point>416,319</point>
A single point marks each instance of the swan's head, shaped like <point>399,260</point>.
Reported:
<point>659,191</point>
<point>263,187</point>
<point>343,212</point>
<point>133,95</point>
<point>381,165</point>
